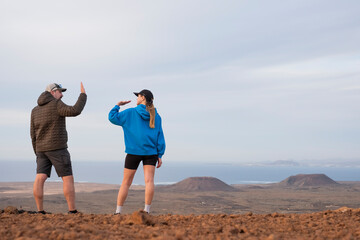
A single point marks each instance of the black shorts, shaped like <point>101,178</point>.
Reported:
<point>59,158</point>
<point>133,161</point>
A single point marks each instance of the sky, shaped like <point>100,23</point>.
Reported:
<point>234,81</point>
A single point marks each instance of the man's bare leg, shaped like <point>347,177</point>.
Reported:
<point>38,190</point>
<point>69,191</point>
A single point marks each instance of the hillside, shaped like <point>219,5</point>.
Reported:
<point>199,184</point>
<point>308,180</point>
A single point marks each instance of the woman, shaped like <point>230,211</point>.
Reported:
<point>144,141</point>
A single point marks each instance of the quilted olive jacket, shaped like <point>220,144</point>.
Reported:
<point>48,127</point>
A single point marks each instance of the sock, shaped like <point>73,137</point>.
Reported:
<point>118,209</point>
<point>147,208</point>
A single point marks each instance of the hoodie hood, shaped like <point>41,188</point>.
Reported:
<point>141,110</point>
<point>45,98</point>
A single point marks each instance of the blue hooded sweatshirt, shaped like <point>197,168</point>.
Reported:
<point>140,139</point>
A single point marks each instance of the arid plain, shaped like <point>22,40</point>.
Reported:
<point>196,208</point>
<point>193,196</point>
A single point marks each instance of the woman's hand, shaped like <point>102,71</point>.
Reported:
<point>122,103</point>
<point>159,163</point>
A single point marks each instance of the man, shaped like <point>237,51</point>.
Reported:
<point>49,140</point>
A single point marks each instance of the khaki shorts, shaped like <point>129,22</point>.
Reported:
<point>59,158</point>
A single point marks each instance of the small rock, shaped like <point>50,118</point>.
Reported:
<point>234,231</point>
<point>275,215</point>
<point>141,217</point>
<point>179,235</point>
<point>271,237</point>
<point>11,210</point>
<point>327,212</point>
<point>344,209</point>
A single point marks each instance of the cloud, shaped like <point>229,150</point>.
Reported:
<point>14,117</point>
<point>235,80</point>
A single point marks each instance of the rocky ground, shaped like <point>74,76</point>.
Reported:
<point>343,223</point>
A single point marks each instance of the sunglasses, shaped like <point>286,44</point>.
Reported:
<point>57,86</point>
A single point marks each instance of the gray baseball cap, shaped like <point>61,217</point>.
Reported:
<point>55,86</point>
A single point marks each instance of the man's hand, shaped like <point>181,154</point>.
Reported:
<point>82,88</point>
<point>122,103</point>
<point>159,163</point>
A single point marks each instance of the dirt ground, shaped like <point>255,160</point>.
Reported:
<point>343,223</point>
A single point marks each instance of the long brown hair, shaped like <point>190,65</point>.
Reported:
<point>151,109</point>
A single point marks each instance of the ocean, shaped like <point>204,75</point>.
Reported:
<point>172,172</point>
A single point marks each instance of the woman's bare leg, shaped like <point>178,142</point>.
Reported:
<point>149,172</point>
<point>125,185</point>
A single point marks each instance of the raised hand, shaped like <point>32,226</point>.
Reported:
<point>122,103</point>
<point>82,88</point>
